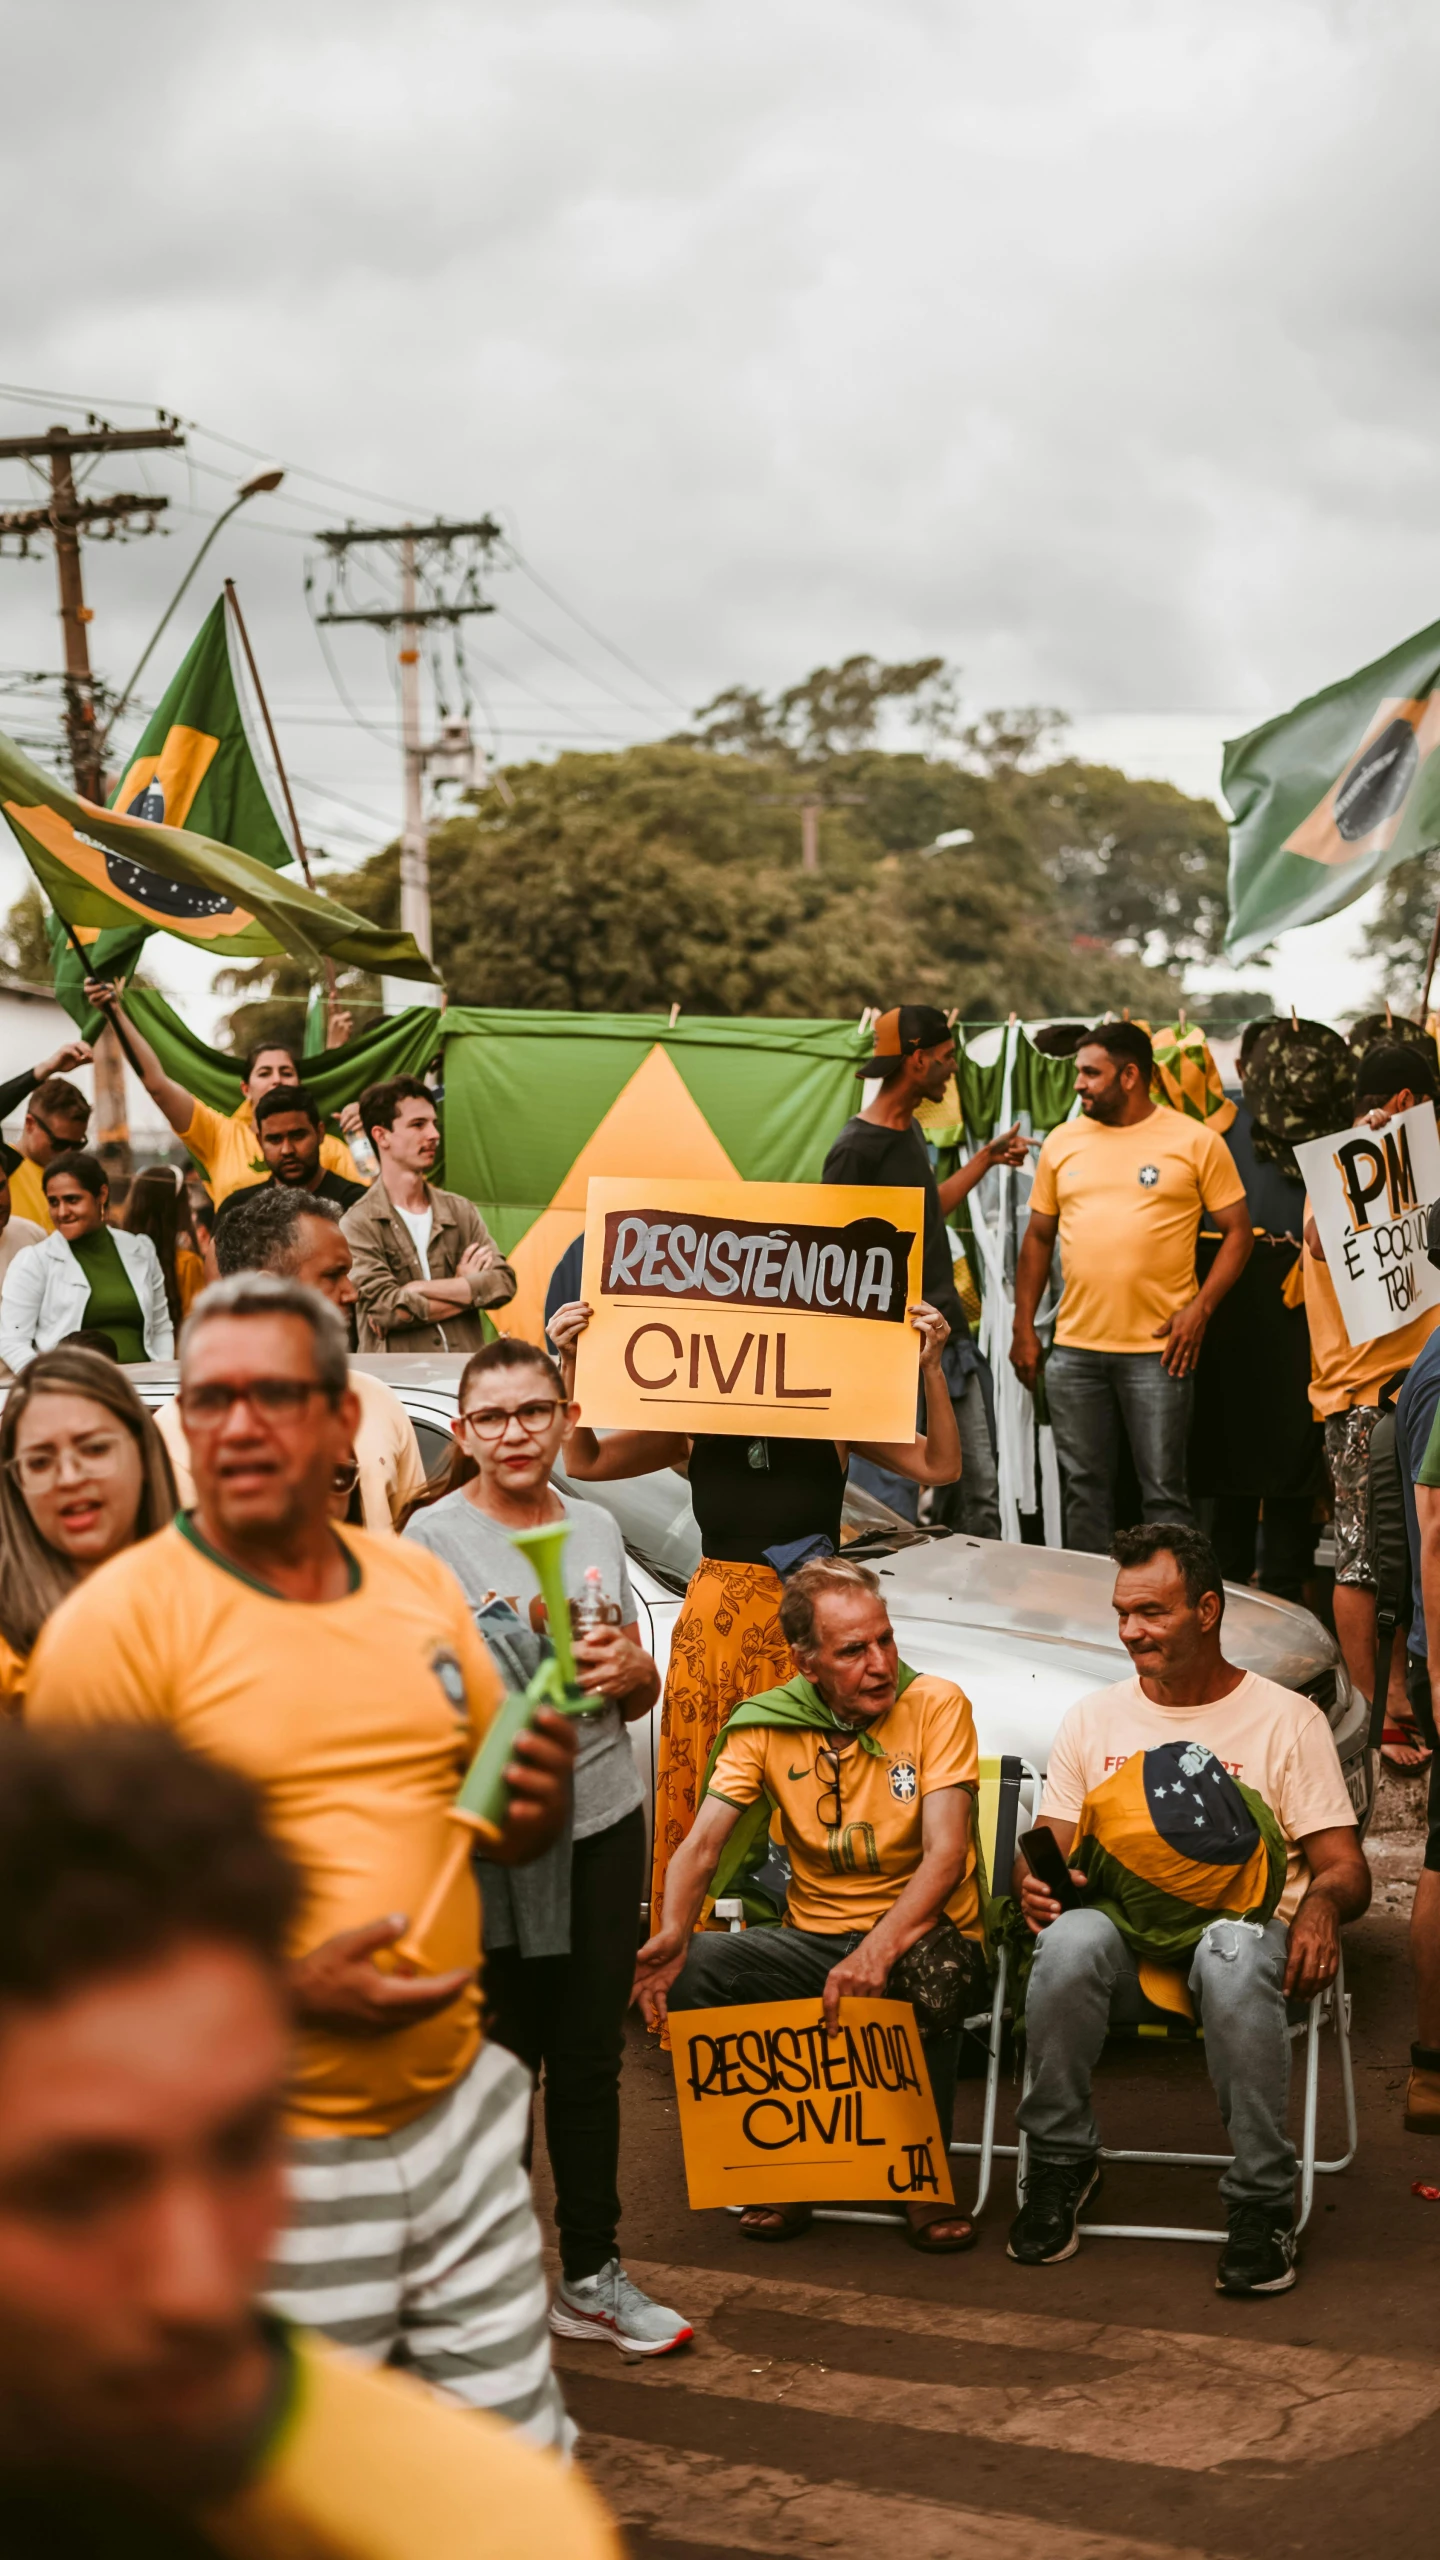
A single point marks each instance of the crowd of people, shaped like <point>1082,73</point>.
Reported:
<point>248,1648</point>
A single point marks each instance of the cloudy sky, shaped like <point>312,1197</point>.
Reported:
<point>1093,349</point>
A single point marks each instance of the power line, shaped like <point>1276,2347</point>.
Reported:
<point>615,651</point>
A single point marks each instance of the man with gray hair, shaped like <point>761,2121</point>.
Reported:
<point>344,1675</point>
<point>872,1770</point>
<point>298,1236</point>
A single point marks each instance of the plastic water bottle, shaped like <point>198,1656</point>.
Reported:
<point>593,1607</point>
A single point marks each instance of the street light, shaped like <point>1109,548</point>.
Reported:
<point>259,487</point>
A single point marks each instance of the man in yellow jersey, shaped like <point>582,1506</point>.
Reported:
<point>150,2408</point>
<point>57,1118</point>
<point>298,1237</point>
<point>225,1145</point>
<point>1346,1381</point>
<point>872,1771</point>
<point>344,1674</point>
<point>1123,1188</point>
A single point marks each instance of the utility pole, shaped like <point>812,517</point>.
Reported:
<point>413,547</point>
<point>64,519</point>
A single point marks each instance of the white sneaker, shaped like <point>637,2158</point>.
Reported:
<point>609,2306</point>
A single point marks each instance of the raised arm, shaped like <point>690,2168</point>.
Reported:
<point>177,1105</point>
<point>1009,1148</point>
<point>933,1456</point>
<point>620,1453</point>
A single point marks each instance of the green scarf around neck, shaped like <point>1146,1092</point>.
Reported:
<point>797,1704</point>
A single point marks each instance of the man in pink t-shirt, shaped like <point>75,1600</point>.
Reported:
<point>1169,1599</point>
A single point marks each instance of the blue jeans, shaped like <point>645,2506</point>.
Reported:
<point>1084,1977</point>
<point>1092,1395</point>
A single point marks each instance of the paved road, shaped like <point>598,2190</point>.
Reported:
<point>847,2396</point>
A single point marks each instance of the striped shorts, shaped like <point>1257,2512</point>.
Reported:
<point>421,2249</point>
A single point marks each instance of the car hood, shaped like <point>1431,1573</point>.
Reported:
<point>1025,1631</point>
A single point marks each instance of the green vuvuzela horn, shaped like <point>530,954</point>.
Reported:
<point>481,1804</point>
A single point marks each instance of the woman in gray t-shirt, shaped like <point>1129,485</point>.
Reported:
<point>564,2014</point>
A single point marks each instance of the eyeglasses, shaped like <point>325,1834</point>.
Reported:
<point>97,1455</point>
<point>272,1400</point>
<point>489,1422</point>
<point>826,1757</point>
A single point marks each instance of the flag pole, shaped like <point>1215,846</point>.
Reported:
<point>233,602</point>
<point>110,1011</point>
<point>1431,957</point>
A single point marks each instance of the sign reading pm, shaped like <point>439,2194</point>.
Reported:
<point>770,1309</point>
<point>1371,1191</point>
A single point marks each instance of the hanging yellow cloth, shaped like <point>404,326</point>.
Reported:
<point>1187,1079</point>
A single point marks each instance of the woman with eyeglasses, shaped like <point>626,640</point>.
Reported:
<point>762,1508</point>
<point>87,1277</point>
<point>559,1963</point>
<point>83,1473</point>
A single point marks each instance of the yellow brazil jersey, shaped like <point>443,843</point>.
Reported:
<point>356,1718</point>
<point>227,1151</point>
<point>27,1195</point>
<point>372,2466</point>
<point>1129,1203</point>
<point>845,1874</point>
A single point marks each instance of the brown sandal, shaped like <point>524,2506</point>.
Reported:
<point>782,2221</point>
<point>919,2234</point>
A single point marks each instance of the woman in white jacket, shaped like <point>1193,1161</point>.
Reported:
<point>86,1277</point>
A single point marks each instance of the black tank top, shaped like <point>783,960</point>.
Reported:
<point>753,1494</point>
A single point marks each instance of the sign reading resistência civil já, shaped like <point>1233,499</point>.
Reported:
<point>1371,1192</point>
<point>773,2109</point>
<point>778,1309</point>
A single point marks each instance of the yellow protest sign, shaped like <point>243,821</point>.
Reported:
<point>778,1309</point>
<point>772,2109</point>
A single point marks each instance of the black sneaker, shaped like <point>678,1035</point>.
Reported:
<point>1044,2231</point>
<point>1259,2256</point>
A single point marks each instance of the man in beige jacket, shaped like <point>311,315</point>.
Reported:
<point>290,1232</point>
<point>425,1262</point>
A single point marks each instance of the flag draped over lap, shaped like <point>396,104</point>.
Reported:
<point>1331,796</point>
<point>203,763</point>
<point>1170,1842</point>
<point>102,868</point>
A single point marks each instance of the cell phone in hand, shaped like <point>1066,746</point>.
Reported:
<point>1045,1859</point>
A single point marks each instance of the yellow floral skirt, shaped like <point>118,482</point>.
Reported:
<point>727,1646</point>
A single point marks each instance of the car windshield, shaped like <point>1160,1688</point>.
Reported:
<point>656,1521</point>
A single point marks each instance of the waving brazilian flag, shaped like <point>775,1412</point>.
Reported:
<point>202,763</point>
<point>1332,795</point>
<point>1171,1842</point>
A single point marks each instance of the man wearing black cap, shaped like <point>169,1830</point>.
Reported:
<point>914,1057</point>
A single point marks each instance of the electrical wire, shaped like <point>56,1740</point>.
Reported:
<point>615,650</point>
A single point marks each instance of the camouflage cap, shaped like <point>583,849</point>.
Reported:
<point>1298,1080</point>
<point>1379,1030</point>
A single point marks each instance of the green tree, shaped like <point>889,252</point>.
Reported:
<point>24,943</point>
<point>1399,937</point>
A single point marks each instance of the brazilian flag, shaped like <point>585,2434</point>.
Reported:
<point>1171,1842</point>
<point>124,869</point>
<point>1332,795</point>
<point>203,763</point>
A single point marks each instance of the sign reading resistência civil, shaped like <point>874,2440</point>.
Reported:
<point>773,2106</point>
<point>1371,1191</point>
<point>766,1308</point>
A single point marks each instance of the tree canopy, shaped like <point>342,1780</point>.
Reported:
<point>979,867</point>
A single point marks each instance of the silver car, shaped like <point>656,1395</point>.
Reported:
<point>1024,1630</point>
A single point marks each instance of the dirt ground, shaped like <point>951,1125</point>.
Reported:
<point>844,2394</point>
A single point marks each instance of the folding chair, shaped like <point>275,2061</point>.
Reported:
<point>1332,2006</point>
<point>1003,1783</point>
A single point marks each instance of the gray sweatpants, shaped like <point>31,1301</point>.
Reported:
<point>1084,1978</point>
